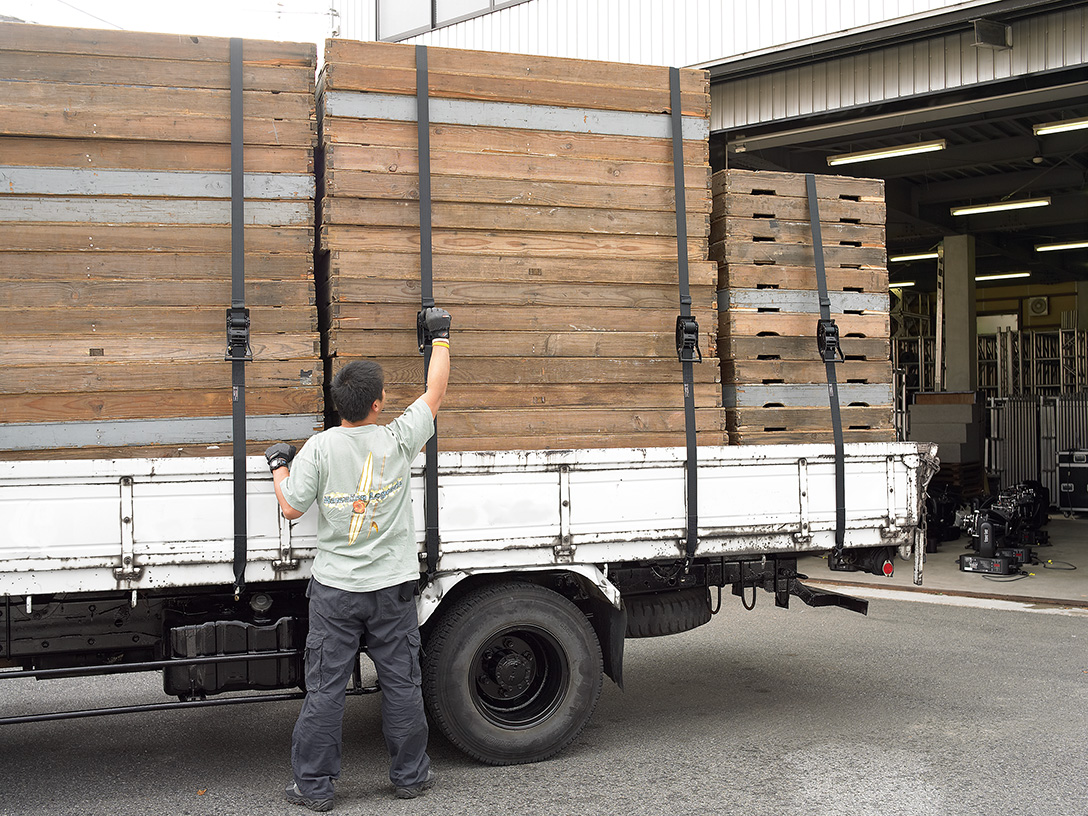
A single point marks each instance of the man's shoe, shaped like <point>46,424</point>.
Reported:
<point>295,797</point>
<point>411,792</point>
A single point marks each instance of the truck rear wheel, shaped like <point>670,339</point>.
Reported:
<point>512,673</point>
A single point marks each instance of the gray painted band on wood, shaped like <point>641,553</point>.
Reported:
<point>134,432</point>
<point>361,105</point>
<point>170,211</point>
<point>801,300</point>
<point>799,396</point>
<point>88,181</point>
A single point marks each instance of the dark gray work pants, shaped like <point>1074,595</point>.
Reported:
<point>389,627</point>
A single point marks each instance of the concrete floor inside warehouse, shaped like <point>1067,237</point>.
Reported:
<point>1050,583</point>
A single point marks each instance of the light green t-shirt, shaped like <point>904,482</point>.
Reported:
<point>360,478</point>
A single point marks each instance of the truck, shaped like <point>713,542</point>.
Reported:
<point>548,560</point>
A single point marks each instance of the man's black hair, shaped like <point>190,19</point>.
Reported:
<point>355,388</point>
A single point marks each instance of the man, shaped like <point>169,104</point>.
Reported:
<point>366,569</point>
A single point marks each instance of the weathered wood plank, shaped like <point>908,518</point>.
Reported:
<point>876,349</point>
<point>465,189</point>
<point>476,373</point>
<point>108,405</point>
<point>169,211</point>
<point>557,395</point>
<point>194,268</point>
<point>60,40</point>
<point>260,188</point>
<point>773,276</point>
<point>496,242</point>
<point>34,66</point>
<point>360,268</point>
<point>761,420</point>
<point>18,120</point>
<point>304,349</point>
<point>21,237</point>
<point>47,377</point>
<point>510,66</point>
<point>522,168</point>
<point>156,321</point>
<point>798,371</point>
<point>26,294</point>
<point>518,217</point>
<point>485,344</point>
<point>544,422</point>
<point>800,254</point>
<point>761,182</point>
<point>808,437</point>
<point>803,395</point>
<point>499,318</point>
<point>771,230</point>
<point>453,137</point>
<point>89,154</point>
<point>752,324</point>
<point>832,210</point>
<point>525,295</point>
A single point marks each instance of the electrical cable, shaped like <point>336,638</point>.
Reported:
<point>1067,566</point>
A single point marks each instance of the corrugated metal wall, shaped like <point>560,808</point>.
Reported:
<point>656,32</point>
<point>1047,42</point>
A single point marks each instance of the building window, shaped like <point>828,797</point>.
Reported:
<point>401,19</point>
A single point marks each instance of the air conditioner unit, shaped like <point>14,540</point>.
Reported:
<point>1038,306</point>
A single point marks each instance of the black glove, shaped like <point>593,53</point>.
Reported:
<point>279,455</point>
<point>432,324</point>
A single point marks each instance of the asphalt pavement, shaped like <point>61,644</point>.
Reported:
<point>919,708</point>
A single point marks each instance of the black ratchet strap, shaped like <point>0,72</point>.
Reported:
<point>238,348</point>
<point>426,281</point>
<point>687,329</point>
<point>827,340</point>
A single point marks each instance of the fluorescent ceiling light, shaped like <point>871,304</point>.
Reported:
<point>1003,276</point>
<point>886,152</point>
<point>1055,247</point>
<point>921,256</point>
<point>1060,126</point>
<point>998,206</point>
<point>900,284</point>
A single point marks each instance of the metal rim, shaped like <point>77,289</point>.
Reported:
<point>520,676</point>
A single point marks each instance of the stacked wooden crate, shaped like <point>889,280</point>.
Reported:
<point>115,243</point>
<point>775,384</point>
<point>554,235</point>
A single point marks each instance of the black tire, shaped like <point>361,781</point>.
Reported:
<point>512,673</point>
<point>667,613</point>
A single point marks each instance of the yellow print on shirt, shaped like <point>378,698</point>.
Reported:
<point>363,500</point>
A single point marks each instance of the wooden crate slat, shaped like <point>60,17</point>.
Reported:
<point>193,268</point>
<point>402,160</point>
<point>114,405</point>
<point>773,276</point>
<point>480,344</point>
<point>50,378</point>
<point>738,347</point>
<point>141,45</point>
<point>303,348</point>
<point>383,316</point>
<point>360,268</point>
<point>29,294</point>
<point>154,321</point>
<point>796,371</point>
<point>22,237</point>
<point>808,437</point>
<point>529,218</point>
<point>774,231</point>
<point>762,420</point>
<point>453,137</point>
<point>832,211</point>
<point>504,242</point>
<point>511,66</point>
<point>558,395</point>
<point>511,191</point>
<point>783,254</point>
<point>751,323</point>
<point>748,182</point>
<point>520,294</point>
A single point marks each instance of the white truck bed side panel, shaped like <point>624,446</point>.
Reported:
<point>67,526</point>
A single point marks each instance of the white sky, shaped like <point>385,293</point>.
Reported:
<point>292,20</point>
